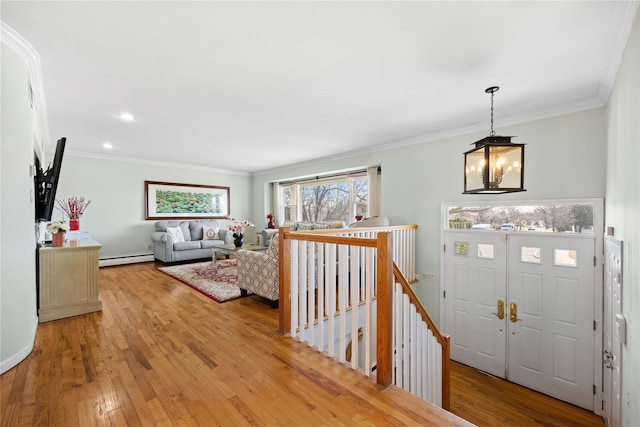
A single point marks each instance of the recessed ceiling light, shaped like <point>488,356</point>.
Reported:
<point>127,117</point>
<point>107,145</point>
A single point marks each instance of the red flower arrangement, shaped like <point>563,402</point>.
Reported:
<point>73,207</point>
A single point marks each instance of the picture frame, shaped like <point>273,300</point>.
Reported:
<point>171,200</point>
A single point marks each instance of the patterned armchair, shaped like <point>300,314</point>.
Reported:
<point>258,272</point>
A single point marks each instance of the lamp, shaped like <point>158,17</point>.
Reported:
<point>495,165</point>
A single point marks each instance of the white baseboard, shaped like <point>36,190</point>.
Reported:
<point>133,259</point>
<point>21,354</point>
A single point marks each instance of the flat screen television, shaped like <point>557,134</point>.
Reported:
<point>46,183</point>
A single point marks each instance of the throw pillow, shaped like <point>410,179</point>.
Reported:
<point>176,233</point>
<point>210,233</point>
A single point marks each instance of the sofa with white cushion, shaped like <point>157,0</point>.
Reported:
<point>182,240</point>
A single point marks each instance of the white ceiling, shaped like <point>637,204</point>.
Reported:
<point>254,86</point>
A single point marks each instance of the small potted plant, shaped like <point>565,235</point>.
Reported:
<point>237,229</point>
<point>57,230</point>
<point>73,207</point>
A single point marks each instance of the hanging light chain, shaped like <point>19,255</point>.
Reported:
<point>492,133</point>
<point>492,90</point>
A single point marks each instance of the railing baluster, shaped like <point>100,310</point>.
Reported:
<point>294,288</point>
<point>339,281</point>
<point>303,286</point>
<point>413,345</point>
<point>397,329</point>
<point>354,289</point>
<point>369,326</point>
<point>343,277</point>
<point>331,297</point>
<point>321,297</point>
<point>405,343</point>
<point>311,291</point>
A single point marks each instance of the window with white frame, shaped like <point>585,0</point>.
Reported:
<point>343,197</point>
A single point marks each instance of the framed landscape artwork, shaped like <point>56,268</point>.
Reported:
<point>169,200</point>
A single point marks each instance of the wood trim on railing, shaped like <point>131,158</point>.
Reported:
<point>384,313</point>
<point>284,279</point>
<point>324,238</point>
<point>444,340</point>
<point>446,374</point>
<point>413,298</point>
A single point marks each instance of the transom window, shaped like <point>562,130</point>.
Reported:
<point>548,217</point>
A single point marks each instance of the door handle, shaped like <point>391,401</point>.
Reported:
<point>513,312</point>
<point>500,313</point>
<point>608,359</point>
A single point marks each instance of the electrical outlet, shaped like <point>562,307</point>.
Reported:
<point>427,276</point>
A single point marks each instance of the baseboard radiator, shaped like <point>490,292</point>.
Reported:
<point>123,260</point>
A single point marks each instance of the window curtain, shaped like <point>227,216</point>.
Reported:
<point>277,205</point>
<point>373,176</point>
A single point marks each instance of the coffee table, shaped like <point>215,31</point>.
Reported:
<point>229,249</point>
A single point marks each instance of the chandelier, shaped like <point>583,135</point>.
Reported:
<point>495,165</point>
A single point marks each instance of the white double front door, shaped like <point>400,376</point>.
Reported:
<point>521,307</point>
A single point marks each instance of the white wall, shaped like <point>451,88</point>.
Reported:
<point>564,159</point>
<point>18,317</point>
<point>115,217</point>
<point>623,210</point>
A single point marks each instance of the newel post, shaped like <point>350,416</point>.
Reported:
<point>384,284</point>
<point>284,279</point>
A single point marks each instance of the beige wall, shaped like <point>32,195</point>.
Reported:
<point>18,317</point>
<point>564,159</point>
<point>115,217</point>
<point>623,210</point>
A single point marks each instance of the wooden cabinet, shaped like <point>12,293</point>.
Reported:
<point>68,278</point>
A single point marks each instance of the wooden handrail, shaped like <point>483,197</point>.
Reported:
<point>444,340</point>
<point>386,269</point>
<point>313,236</point>
<point>326,231</point>
<point>413,298</point>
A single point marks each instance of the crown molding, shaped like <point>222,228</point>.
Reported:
<point>140,161</point>
<point>17,43</point>
<point>560,110</point>
<point>624,17</point>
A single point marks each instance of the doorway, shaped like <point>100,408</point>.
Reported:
<point>523,306</point>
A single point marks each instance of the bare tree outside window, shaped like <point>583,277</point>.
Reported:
<point>336,200</point>
<point>555,218</point>
<point>323,203</point>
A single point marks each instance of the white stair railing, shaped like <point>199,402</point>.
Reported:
<point>332,298</point>
<point>336,288</point>
<point>404,247</point>
<point>417,362</point>
<point>421,353</point>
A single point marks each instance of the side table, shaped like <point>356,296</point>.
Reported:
<point>68,279</point>
<point>229,249</point>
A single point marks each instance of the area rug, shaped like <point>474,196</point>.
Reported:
<point>219,283</point>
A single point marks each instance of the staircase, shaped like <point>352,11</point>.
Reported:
<point>346,293</point>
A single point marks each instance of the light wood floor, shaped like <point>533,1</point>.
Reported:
<point>162,354</point>
<point>489,401</point>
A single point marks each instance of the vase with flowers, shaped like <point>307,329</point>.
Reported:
<point>238,228</point>
<point>57,230</point>
<point>73,207</point>
<point>271,223</point>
